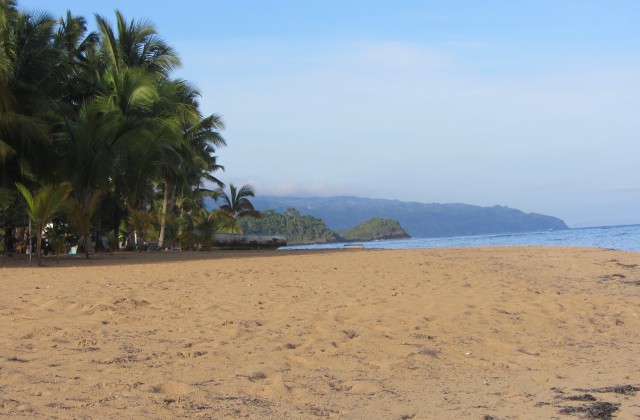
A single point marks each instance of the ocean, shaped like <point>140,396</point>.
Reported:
<point>626,238</point>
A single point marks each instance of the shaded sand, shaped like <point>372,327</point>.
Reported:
<point>487,333</point>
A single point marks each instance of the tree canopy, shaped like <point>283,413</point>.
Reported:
<point>102,113</point>
<point>297,228</point>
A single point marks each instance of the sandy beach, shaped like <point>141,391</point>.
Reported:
<point>478,333</point>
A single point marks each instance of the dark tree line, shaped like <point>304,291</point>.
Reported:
<point>98,115</point>
<point>297,228</point>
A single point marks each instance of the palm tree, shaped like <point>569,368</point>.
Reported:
<point>236,206</point>
<point>135,44</point>
<point>43,205</point>
<point>139,221</point>
<point>137,62</point>
<point>115,137</point>
<point>81,219</point>
<point>77,63</point>
<point>101,111</point>
<point>27,82</point>
<point>172,112</point>
<point>180,155</point>
<point>205,227</point>
<point>31,80</point>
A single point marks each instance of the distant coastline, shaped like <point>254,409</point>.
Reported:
<point>418,219</point>
<point>624,238</point>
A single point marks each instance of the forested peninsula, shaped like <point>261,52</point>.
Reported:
<point>302,230</point>
<point>421,220</point>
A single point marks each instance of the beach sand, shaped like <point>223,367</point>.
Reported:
<point>478,333</point>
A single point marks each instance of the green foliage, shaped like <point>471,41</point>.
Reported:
<point>58,235</point>
<point>140,221</point>
<point>112,242</point>
<point>235,207</point>
<point>6,199</point>
<point>301,230</point>
<point>376,229</point>
<point>80,218</point>
<point>297,228</point>
<point>102,112</point>
<point>205,229</point>
<point>43,205</point>
<point>12,213</point>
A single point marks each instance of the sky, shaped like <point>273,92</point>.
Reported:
<point>531,104</point>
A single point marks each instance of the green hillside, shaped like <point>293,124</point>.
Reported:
<point>420,220</point>
<point>376,229</point>
<point>301,230</point>
<point>298,229</point>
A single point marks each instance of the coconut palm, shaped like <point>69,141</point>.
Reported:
<point>191,159</point>
<point>139,221</point>
<point>81,216</point>
<point>205,228</point>
<point>236,206</point>
<point>116,135</point>
<point>27,82</point>
<point>43,205</point>
<point>30,80</point>
<point>135,44</point>
<point>137,64</point>
<point>171,113</point>
<point>77,63</point>
<point>101,111</point>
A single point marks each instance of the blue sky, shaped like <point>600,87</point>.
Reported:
<point>530,104</point>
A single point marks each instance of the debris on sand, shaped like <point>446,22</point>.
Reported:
<point>620,389</point>
<point>597,410</point>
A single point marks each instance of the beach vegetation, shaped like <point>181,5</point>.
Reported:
<point>235,207</point>
<point>80,216</point>
<point>99,118</point>
<point>112,242</point>
<point>42,206</point>
<point>58,235</point>
<point>140,222</point>
<point>299,229</point>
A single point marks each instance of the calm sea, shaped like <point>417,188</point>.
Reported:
<point>614,237</point>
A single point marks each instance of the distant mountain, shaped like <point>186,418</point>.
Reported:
<point>418,219</point>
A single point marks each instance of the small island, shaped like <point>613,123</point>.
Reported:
<point>376,229</point>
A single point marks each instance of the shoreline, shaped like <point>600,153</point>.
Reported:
<point>168,256</point>
<point>149,257</point>
<point>431,333</point>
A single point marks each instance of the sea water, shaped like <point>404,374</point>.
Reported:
<point>625,238</point>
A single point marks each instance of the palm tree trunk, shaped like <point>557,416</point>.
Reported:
<point>99,244</point>
<point>163,217</point>
<point>117,217</point>
<point>86,239</point>
<point>39,245</point>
